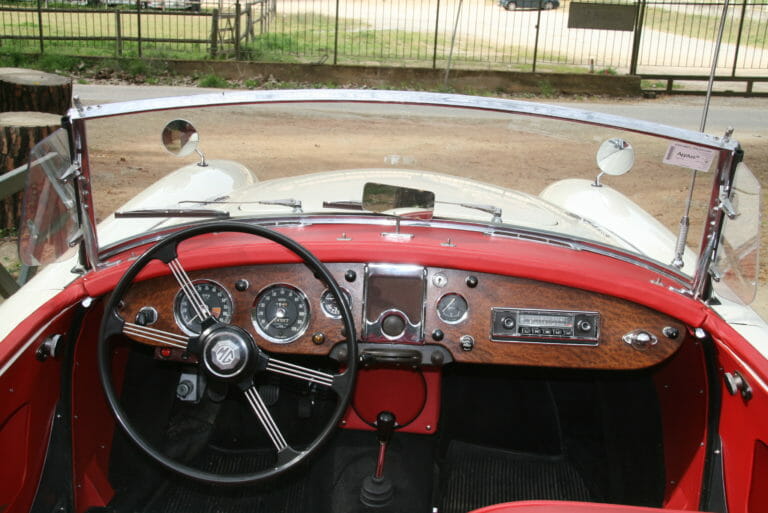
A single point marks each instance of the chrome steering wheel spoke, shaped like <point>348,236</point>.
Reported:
<point>266,419</point>
<point>188,288</point>
<point>154,336</point>
<point>299,372</point>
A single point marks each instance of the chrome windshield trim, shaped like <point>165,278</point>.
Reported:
<point>541,237</point>
<point>416,98</point>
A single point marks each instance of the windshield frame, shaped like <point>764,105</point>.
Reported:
<point>729,151</point>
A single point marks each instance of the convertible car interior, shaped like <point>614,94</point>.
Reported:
<point>375,363</point>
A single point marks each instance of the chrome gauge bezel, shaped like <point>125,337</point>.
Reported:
<point>254,312</point>
<point>439,311</point>
<point>326,295</point>
<point>180,296</point>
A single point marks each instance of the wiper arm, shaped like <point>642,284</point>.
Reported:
<point>173,212</point>
<point>490,209</point>
<point>287,202</point>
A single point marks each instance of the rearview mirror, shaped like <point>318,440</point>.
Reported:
<point>399,201</point>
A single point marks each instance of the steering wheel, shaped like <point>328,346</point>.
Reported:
<point>226,354</point>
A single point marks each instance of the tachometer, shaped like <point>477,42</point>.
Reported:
<point>215,296</point>
<point>280,313</point>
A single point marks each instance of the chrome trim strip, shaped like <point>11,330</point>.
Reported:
<point>399,97</point>
<point>554,239</point>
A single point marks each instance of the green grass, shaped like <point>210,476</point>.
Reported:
<point>705,26</point>
<point>212,81</point>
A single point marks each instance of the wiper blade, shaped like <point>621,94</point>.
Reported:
<point>490,209</point>
<point>173,212</point>
<point>346,205</point>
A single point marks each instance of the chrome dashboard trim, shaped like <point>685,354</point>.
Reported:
<point>306,220</point>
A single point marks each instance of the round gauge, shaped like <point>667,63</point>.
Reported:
<point>452,308</point>
<point>215,296</point>
<point>331,306</point>
<point>281,313</point>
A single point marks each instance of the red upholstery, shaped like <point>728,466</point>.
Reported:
<point>567,507</point>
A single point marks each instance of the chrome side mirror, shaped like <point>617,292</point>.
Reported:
<point>180,138</point>
<point>615,157</point>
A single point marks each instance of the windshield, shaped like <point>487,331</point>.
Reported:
<point>494,169</point>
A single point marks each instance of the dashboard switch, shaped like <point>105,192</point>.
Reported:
<point>467,343</point>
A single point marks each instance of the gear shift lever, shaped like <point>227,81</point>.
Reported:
<point>377,490</point>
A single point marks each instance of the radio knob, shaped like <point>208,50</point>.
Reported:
<point>508,322</point>
<point>585,326</point>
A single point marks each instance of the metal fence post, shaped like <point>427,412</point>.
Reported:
<point>138,24</point>
<point>237,30</point>
<point>638,34</point>
<point>536,42</point>
<point>118,34</point>
<point>214,32</point>
<point>336,36</point>
<point>437,28</point>
<point>738,38</point>
<point>40,24</point>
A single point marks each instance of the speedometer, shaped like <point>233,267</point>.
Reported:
<point>280,313</point>
<point>215,296</point>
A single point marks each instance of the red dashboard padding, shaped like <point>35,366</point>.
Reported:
<point>568,507</point>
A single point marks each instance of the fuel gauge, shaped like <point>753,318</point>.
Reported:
<point>331,306</point>
<point>452,308</point>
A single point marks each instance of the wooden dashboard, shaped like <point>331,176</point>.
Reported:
<point>626,335</point>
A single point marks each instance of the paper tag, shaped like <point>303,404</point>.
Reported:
<point>692,157</point>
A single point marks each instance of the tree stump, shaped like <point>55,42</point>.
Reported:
<point>30,90</point>
<point>19,132</point>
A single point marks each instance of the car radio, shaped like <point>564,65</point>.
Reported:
<point>545,326</point>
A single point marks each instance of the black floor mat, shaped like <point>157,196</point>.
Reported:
<point>181,496</point>
<point>473,476</point>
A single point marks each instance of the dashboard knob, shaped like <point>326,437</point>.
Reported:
<point>467,343</point>
<point>393,325</point>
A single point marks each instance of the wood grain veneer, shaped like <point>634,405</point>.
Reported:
<point>617,316</point>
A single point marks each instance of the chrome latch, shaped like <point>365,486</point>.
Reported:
<point>640,339</point>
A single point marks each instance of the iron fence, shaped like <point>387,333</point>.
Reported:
<point>662,36</point>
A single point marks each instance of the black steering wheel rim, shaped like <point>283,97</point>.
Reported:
<point>286,460</point>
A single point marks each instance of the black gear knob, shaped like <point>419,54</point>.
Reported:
<point>385,426</point>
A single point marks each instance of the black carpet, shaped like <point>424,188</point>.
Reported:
<point>181,496</point>
<point>475,476</point>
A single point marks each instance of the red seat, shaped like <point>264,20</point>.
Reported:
<point>567,507</point>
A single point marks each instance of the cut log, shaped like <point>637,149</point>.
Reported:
<point>19,132</point>
<point>37,91</point>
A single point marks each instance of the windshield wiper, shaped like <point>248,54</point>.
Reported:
<point>490,209</point>
<point>346,205</point>
<point>357,205</point>
<point>172,212</point>
<point>287,202</point>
